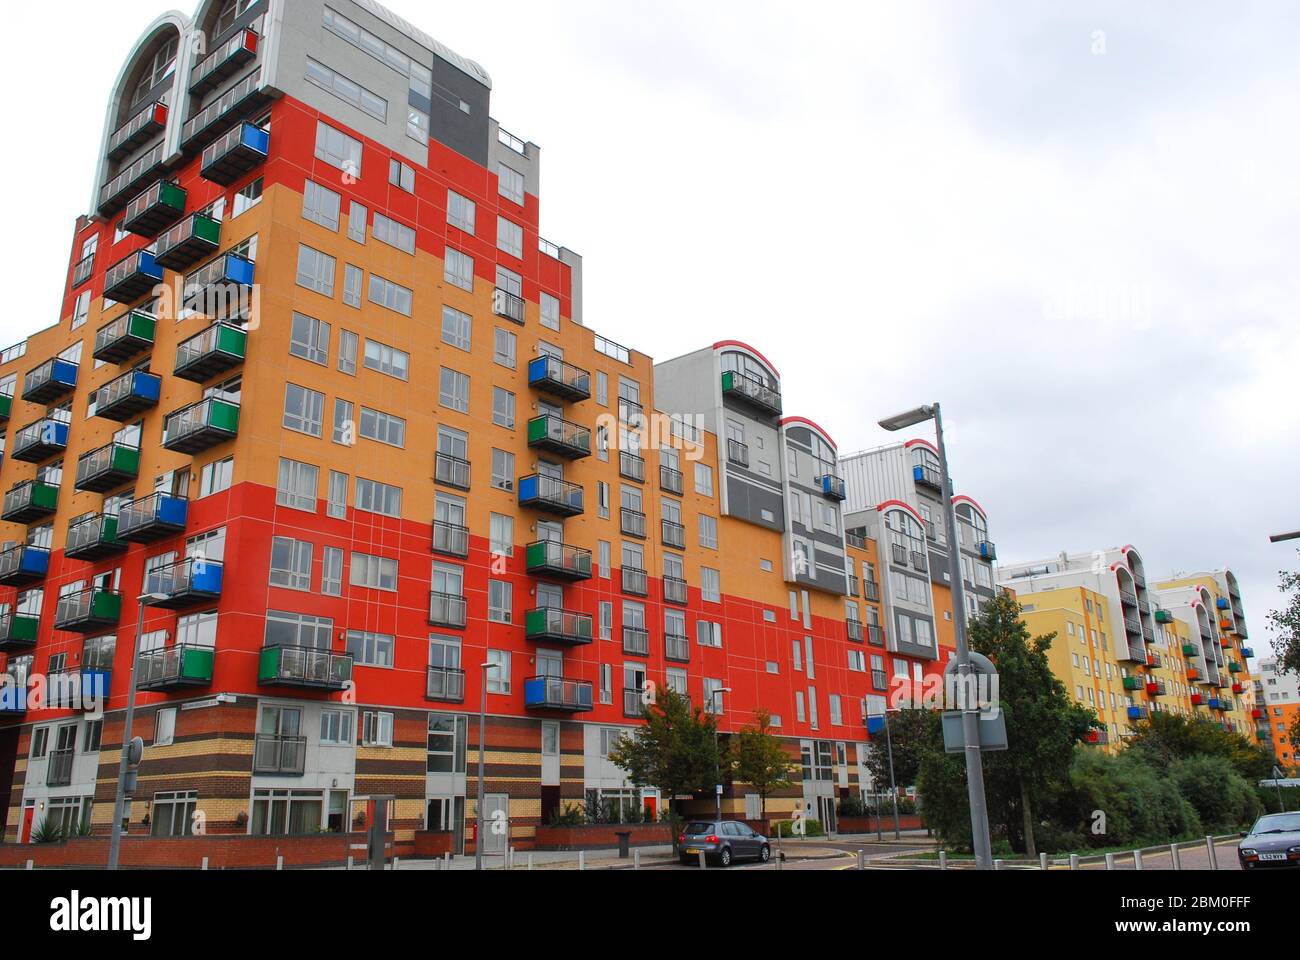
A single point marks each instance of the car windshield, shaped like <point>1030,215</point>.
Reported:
<point>700,828</point>
<point>1278,823</point>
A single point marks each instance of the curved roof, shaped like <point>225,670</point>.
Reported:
<point>738,344</point>
<point>900,505</point>
<point>804,421</point>
<point>419,36</point>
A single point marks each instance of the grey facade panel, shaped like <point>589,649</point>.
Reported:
<point>747,502</point>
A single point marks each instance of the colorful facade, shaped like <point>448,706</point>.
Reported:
<point>1278,702</point>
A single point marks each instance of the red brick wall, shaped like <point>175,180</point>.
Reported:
<point>187,853</point>
<point>602,837</point>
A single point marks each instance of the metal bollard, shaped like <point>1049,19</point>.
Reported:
<point>397,862</point>
<point>636,859</point>
<point>704,865</point>
<point>349,861</point>
<point>1110,861</point>
<point>1214,854</point>
<point>1042,862</point>
<point>862,859</point>
<point>1074,861</point>
<point>943,859</point>
<point>582,860</point>
<point>530,862</point>
<point>1177,857</point>
<point>446,861</point>
<point>205,864</point>
<point>997,864</point>
<point>31,864</point>
<point>1137,859</point>
<point>279,863</point>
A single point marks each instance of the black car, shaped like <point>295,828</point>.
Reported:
<point>722,842</point>
<point>1272,844</point>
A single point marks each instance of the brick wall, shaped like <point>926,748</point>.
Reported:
<point>187,853</point>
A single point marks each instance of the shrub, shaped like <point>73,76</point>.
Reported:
<point>48,832</point>
<point>1222,798</point>
<point>854,807</point>
<point>571,815</point>
<point>812,828</point>
<point>1139,805</point>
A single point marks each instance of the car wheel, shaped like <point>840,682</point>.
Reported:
<point>765,854</point>
<point>724,858</point>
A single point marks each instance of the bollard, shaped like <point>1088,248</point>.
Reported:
<point>349,861</point>
<point>446,861</point>
<point>943,859</point>
<point>397,862</point>
<point>530,861</point>
<point>862,859</point>
<point>704,865</point>
<point>582,860</point>
<point>1137,859</point>
<point>1110,861</point>
<point>279,863</point>
<point>205,864</point>
<point>1214,854</point>
<point>997,864</point>
<point>1175,856</point>
<point>1074,861</point>
<point>1042,862</point>
<point>636,859</point>
<point>31,864</point>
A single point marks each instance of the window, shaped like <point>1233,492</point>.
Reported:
<point>381,498</point>
<point>714,698</point>
<point>391,296</point>
<point>344,424</point>
<point>81,310</point>
<point>606,620</point>
<point>331,578</point>
<point>510,183</point>
<point>353,279</point>
<point>389,231</point>
<point>376,729</point>
<point>216,477</point>
<point>358,214</point>
<point>383,427</point>
<point>297,485</point>
<point>321,205</point>
<point>290,563</point>
<point>164,731</point>
<point>503,470</point>
<point>348,347</point>
<point>708,532</point>
<point>709,634</point>
<point>510,237</point>
<point>336,728</point>
<point>460,211</point>
<point>454,390</point>
<point>316,271</point>
<point>550,311</point>
<point>347,90</point>
<point>506,349</point>
<point>304,410</point>
<point>338,496</point>
<point>297,630</point>
<point>371,649</point>
<point>387,360</point>
<point>458,270</point>
<point>502,535</point>
<point>704,480</point>
<point>602,388</point>
<point>503,408</point>
<point>499,678</point>
<point>401,175</point>
<point>500,601</point>
<point>247,198</point>
<point>457,328</point>
<point>710,585</point>
<point>310,339</point>
<point>375,573</point>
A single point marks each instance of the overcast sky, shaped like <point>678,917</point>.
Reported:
<point>1075,224</point>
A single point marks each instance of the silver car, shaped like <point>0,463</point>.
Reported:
<point>722,842</point>
<point>1272,844</point>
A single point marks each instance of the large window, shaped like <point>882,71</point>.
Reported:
<point>310,339</point>
<point>371,649</point>
<point>337,148</point>
<point>375,497</point>
<point>510,183</point>
<point>457,328</point>
<point>389,231</point>
<point>291,563</point>
<point>321,205</point>
<point>383,427</point>
<point>347,89</point>
<point>173,814</point>
<point>376,573</point>
<point>390,295</point>
<point>297,485</point>
<point>316,271</point>
<point>387,360</point>
<point>454,390</point>
<point>447,737</point>
<point>297,630</point>
<point>461,212</point>
<point>459,269</point>
<point>304,410</point>
<point>510,237</point>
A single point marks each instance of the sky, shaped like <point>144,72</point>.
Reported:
<point>1075,225</point>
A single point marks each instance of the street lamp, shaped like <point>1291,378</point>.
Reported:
<point>119,801</point>
<point>1284,537</point>
<point>717,756</point>
<point>893,786</point>
<point>970,716</point>
<point>482,726</point>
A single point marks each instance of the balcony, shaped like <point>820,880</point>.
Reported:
<point>82,690</point>
<point>40,441</point>
<point>677,648</point>
<point>207,424</point>
<point>128,396</point>
<point>557,694</point>
<point>1219,706</point>
<point>445,685</point>
<point>139,130</point>
<point>18,631</point>
<point>927,477</point>
<point>125,338</point>
<point>1156,688</point>
<point>235,104</point>
<point>304,667</point>
<point>1132,627</point>
<point>738,453</point>
<point>636,582</point>
<point>152,518</point>
<point>219,348</point>
<point>1198,700</point>
<point>854,630</point>
<point>6,407</point>
<point>23,565</point>
<point>560,437</point>
<point>833,487</point>
<point>1248,653</point>
<point>133,278</point>
<point>156,209</point>
<point>1164,616</point>
<point>119,191</point>
<point>108,467</point>
<point>551,495</point>
<point>49,382</point>
<point>175,668</point>
<point>1128,598</point>
<point>193,239</point>
<point>508,305</point>
<point>1235,667</point>
<point>631,467</point>
<point>553,625</point>
<point>554,377</point>
<point>752,392</point>
<point>632,523</point>
<point>558,561</point>
<point>222,289</point>
<point>450,539</point>
<point>670,480</point>
<point>83,270</point>
<point>871,591</point>
<point>674,534</point>
<point>280,756</point>
<point>238,153</point>
<point>30,501</point>
<point>88,611</point>
<point>630,412</point>
<point>1190,650</point>
<point>1098,737</point>
<point>920,562</point>
<point>676,591</point>
<point>636,642</point>
<point>1222,604</point>
<point>448,610</point>
<point>58,770</point>
<point>988,551</point>
<point>1132,683</point>
<point>875,635</point>
<point>1137,713</point>
<point>1238,688</point>
<point>224,62</point>
<point>185,583</point>
<point>451,471</point>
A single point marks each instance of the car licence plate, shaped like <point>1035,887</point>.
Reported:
<point>1272,856</point>
<point>693,851</point>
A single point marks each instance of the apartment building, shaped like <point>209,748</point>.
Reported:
<point>1278,700</point>
<point>322,415</point>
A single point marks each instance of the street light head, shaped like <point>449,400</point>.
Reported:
<point>911,418</point>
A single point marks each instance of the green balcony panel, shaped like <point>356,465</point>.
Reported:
<point>6,407</point>
<point>126,337</point>
<point>88,611</point>
<point>18,632</point>
<point>221,347</point>
<point>30,501</point>
<point>559,437</point>
<point>193,239</point>
<point>157,208</point>
<point>93,538</point>
<point>200,427</point>
<point>108,467</point>
<point>558,561</point>
<point>174,668</point>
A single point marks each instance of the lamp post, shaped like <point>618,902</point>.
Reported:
<point>482,726</point>
<point>1284,537</point>
<point>717,756</point>
<point>970,716</point>
<point>893,784</point>
<point>119,801</point>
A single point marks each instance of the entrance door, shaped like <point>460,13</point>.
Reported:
<point>826,814</point>
<point>29,814</point>
<point>494,827</point>
<point>447,815</point>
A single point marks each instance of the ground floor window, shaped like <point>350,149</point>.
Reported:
<point>286,812</point>
<point>173,814</point>
<point>67,813</point>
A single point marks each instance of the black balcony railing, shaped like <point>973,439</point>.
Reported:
<point>451,471</point>
<point>670,480</point>
<point>508,305</point>
<point>677,648</point>
<point>633,703</point>
<point>447,610</point>
<point>450,539</point>
<point>446,685</point>
<point>875,635</point>
<point>871,591</point>
<point>280,756</point>
<point>636,582</point>
<point>59,771</point>
<point>631,467</point>
<point>738,453</point>
<point>636,641</point>
<point>752,391</point>
<point>674,535</point>
<point>854,629</point>
<point>632,523</point>
<point>676,591</point>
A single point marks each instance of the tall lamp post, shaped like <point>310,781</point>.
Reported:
<point>119,801</point>
<point>482,741</point>
<point>717,756</point>
<point>979,815</point>
<point>1284,537</point>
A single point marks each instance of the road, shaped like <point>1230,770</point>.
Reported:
<point>824,854</point>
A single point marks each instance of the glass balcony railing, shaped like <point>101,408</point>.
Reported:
<point>560,437</point>
<point>108,467</point>
<point>558,561</point>
<point>451,471</point>
<point>752,392</point>
<point>219,348</point>
<point>126,337</point>
<point>119,191</point>
<point>193,239</point>
<point>29,501</point>
<point>18,631</point>
<point>632,523</point>
<point>23,565</point>
<point>128,396</point>
<point>185,583</point>
<point>636,582</point>
<point>88,611</point>
<point>175,668</point>
<point>636,642</point>
<point>833,487</point>
<point>508,305</point>
<point>52,380</point>
<point>558,379</point>
<point>206,424</point>
<point>558,694</point>
<point>143,126</point>
<point>221,289</point>
<point>93,538</point>
<point>674,534</point>
<point>40,441</point>
<point>280,756</point>
<point>152,518</point>
<point>450,539</point>
<point>241,100</point>
<point>134,278</point>
<point>677,648</point>
<point>448,610</point>
<point>553,625</point>
<point>156,209</point>
<point>676,591</point>
<point>223,62</point>
<point>236,154</point>
<point>551,495</point>
<point>304,667</point>
<point>927,477</point>
<point>446,685</point>
<point>670,480</point>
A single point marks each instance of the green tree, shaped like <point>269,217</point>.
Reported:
<point>911,733</point>
<point>1287,624</point>
<point>760,760</point>
<point>675,751</point>
<point>1164,738</point>
<point>1221,796</point>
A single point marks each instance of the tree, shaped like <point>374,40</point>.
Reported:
<point>760,760</point>
<point>675,751</point>
<point>911,732</point>
<point>1043,721</point>
<point>1165,738</point>
<point>1287,623</point>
